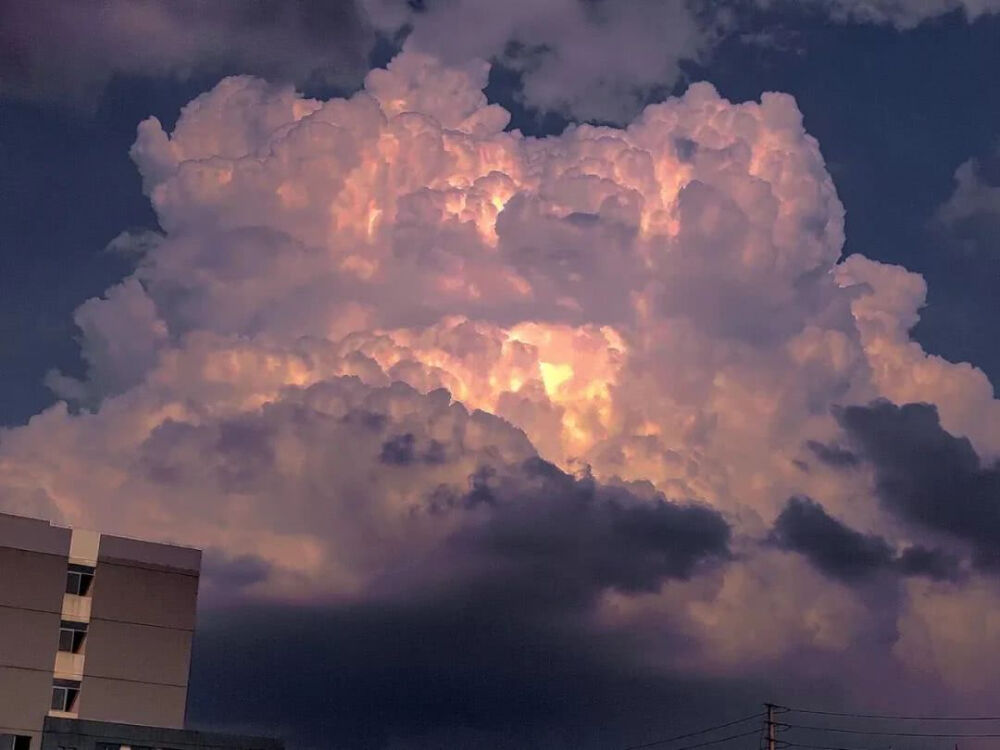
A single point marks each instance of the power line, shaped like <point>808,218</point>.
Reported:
<point>783,744</point>
<point>700,744</point>
<point>882,733</point>
<point>654,743</point>
<point>805,746</point>
<point>890,717</point>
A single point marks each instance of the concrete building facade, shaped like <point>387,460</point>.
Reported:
<point>94,630</point>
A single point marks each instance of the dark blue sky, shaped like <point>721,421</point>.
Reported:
<point>895,113</point>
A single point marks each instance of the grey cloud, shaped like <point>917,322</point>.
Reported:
<point>970,217</point>
<point>932,563</point>
<point>486,641</point>
<point>236,453</point>
<point>832,547</point>
<point>709,264</point>
<point>402,450</point>
<point>398,449</point>
<point>575,537</point>
<point>481,498</point>
<point>927,476</point>
<point>848,555</point>
<point>439,671</point>
<point>67,50</point>
<point>568,53</point>
<point>903,14</point>
<point>222,572</point>
<point>832,455</point>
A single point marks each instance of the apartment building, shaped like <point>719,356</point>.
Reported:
<point>95,642</point>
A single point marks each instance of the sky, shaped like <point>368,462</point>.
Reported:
<point>552,374</point>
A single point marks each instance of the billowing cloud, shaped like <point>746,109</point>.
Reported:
<point>389,357</point>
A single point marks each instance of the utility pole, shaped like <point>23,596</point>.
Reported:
<point>771,727</point>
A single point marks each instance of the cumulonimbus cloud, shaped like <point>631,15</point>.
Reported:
<point>388,350</point>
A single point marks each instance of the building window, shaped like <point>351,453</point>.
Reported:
<point>21,742</point>
<point>71,636</point>
<point>64,695</point>
<point>79,579</point>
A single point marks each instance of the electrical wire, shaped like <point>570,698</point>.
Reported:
<point>654,743</point>
<point>889,716</point>
<point>781,726</point>
<point>732,723</point>
<point>781,744</point>
<point>883,733</point>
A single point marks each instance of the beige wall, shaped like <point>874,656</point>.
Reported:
<point>26,696</point>
<point>31,588</point>
<point>133,551</point>
<point>33,534</point>
<point>28,639</point>
<point>139,644</point>
<point>137,652</point>
<point>144,595</point>
<point>32,580</point>
<point>132,703</point>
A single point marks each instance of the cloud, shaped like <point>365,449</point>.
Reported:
<point>61,49</point>
<point>903,14</point>
<point>932,563</point>
<point>226,578</point>
<point>574,537</point>
<point>567,52</point>
<point>832,455</point>
<point>448,669</point>
<point>387,357</point>
<point>848,555</point>
<point>971,215</point>
<point>926,475</point>
<point>837,550</point>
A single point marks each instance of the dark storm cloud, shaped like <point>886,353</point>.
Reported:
<point>927,476</point>
<point>574,537</point>
<point>832,455</point>
<point>67,50</point>
<point>932,563</point>
<point>402,450</point>
<point>487,637</point>
<point>398,449</point>
<point>848,555</point>
<point>439,672</point>
<point>832,547</point>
